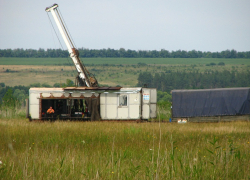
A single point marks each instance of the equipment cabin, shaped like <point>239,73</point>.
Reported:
<point>92,103</point>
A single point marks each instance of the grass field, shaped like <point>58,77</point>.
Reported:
<point>13,75</point>
<point>108,71</point>
<point>124,61</point>
<point>102,150</point>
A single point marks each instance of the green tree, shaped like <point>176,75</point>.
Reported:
<point>20,95</point>
<point>145,78</point>
<point>59,85</point>
<point>9,100</point>
<point>221,64</point>
<point>163,96</point>
<point>46,85</point>
<point>2,84</point>
<point>35,85</point>
<point>69,83</point>
<point>10,104</point>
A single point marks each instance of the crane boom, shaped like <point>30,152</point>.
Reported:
<point>84,77</point>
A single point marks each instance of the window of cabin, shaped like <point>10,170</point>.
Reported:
<point>123,100</point>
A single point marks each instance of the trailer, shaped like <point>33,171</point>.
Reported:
<point>92,103</point>
<point>211,104</point>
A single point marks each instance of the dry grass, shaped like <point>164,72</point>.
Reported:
<point>29,74</point>
<point>103,150</point>
<point>125,75</point>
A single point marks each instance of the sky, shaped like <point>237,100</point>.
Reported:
<point>205,25</point>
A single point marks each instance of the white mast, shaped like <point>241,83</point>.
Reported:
<point>68,42</point>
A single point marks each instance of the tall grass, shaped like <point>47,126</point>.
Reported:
<point>163,111</point>
<point>102,150</point>
<point>11,107</point>
<point>13,112</point>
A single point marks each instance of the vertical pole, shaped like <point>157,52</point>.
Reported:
<point>67,40</point>
<point>61,30</point>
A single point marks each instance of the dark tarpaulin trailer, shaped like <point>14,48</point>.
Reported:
<point>211,102</point>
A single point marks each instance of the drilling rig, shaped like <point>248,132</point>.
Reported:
<point>84,78</point>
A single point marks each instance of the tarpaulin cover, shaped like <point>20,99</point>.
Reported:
<point>211,102</point>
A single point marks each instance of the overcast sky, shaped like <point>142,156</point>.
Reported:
<point>206,25</point>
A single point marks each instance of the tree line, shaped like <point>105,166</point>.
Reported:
<point>121,53</point>
<point>13,95</point>
<point>168,81</point>
<point>18,94</point>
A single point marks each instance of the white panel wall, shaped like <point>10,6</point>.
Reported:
<point>134,111</point>
<point>111,99</point>
<point>111,112</point>
<point>102,99</point>
<point>123,113</point>
<point>33,98</point>
<point>34,111</point>
<point>134,99</point>
<point>149,103</point>
<point>153,111</point>
<point>145,111</point>
<point>34,105</point>
<point>102,110</point>
<point>153,96</point>
<point>153,103</point>
<point>109,108</point>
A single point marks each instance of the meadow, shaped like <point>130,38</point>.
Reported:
<point>106,150</point>
<point>123,61</point>
<point>108,71</point>
<point>118,150</point>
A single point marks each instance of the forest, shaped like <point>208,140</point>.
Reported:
<point>168,80</point>
<point>122,53</point>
